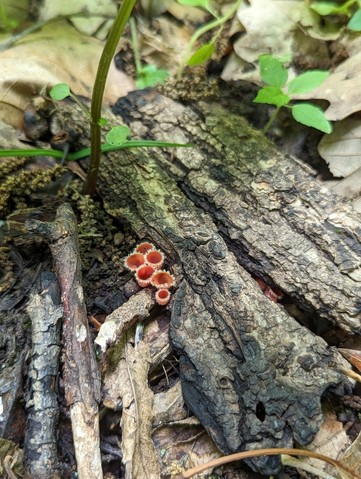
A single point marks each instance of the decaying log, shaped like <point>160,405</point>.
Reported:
<point>45,311</point>
<point>80,373</point>
<point>231,206</point>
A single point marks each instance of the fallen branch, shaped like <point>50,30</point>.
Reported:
<point>44,309</point>
<point>80,373</point>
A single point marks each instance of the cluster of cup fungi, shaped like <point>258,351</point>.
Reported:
<point>146,263</point>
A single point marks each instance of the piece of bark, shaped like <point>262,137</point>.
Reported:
<point>135,309</point>
<point>249,371</point>
<point>80,373</point>
<point>45,311</point>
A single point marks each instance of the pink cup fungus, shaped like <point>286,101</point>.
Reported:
<point>162,296</point>
<point>144,274</point>
<point>133,261</point>
<point>154,258</point>
<point>162,280</point>
<point>144,247</point>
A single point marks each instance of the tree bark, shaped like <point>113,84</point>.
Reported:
<point>80,372</point>
<point>227,210</point>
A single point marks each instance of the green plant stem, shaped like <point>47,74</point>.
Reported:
<point>271,120</point>
<point>213,24</point>
<point>78,155</point>
<point>135,44</point>
<point>97,98</point>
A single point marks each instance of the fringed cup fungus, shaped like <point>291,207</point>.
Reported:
<point>144,247</point>
<point>162,280</point>
<point>133,261</point>
<point>162,296</point>
<point>154,258</point>
<point>144,274</point>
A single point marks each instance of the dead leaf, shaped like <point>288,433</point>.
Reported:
<point>330,440</point>
<point>353,356</point>
<point>340,89</point>
<point>169,406</point>
<point>56,54</point>
<point>271,24</point>
<point>95,13</point>
<point>352,458</point>
<point>131,377</point>
<point>341,149</point>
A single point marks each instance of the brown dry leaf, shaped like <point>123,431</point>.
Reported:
<point>182,445</point>
<point>128,383</point>
<point>341,148</point>
<point>353,356</point>
<point>87,16</point>
<point>352,458</point>
<point>270,27</point>
<point>330,440</point>
<point>169,406</point>
<point>139,454</point>
<point>341,89</point>
<point>56,54</point>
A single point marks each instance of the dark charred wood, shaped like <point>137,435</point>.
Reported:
<point>45,311</point>
<point>227,209</point>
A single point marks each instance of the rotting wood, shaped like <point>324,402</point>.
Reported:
<point>230,207</point>
<point>45,311</point>
<point>80,373</point>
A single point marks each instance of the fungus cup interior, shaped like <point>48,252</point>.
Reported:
<point>145,272</point>
<point>162,279</point>
<point>144,247</point>
<point>163,293</point>
<point>154,257</point>
<point>134,261</point>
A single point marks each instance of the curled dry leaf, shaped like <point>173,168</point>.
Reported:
<point>56,54</point>
<point>340,89</point>
<point>341,149</point>
<point>353,356</point>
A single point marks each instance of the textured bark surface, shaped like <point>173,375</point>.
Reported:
<point>45,311</point>
<point>231,206</point>
<point>80,372</point>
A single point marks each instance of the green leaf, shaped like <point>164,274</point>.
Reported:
<point>355,23</point>
<point>60,91</point>
<point>201,55</point>
<point>307,81</point>
<point>102,122</point>
<point>117,135</point>
<point>329,8</point>
<point>150,75</point>
<point>272,71</point>
<point>311,115</point>
<point>272,96</point>
<point>195,3</point>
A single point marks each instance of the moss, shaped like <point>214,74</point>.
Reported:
<point>17,187</point>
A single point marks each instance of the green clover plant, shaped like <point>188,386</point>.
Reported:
<point>117,137</point>
<point>278,92</point>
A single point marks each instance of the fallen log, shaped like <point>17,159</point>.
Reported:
<point>229,209</point>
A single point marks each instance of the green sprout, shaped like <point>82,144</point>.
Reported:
<point>147,75</point>
<point>279,93</point>
<point>117,137</point>
<point>204,53</point>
